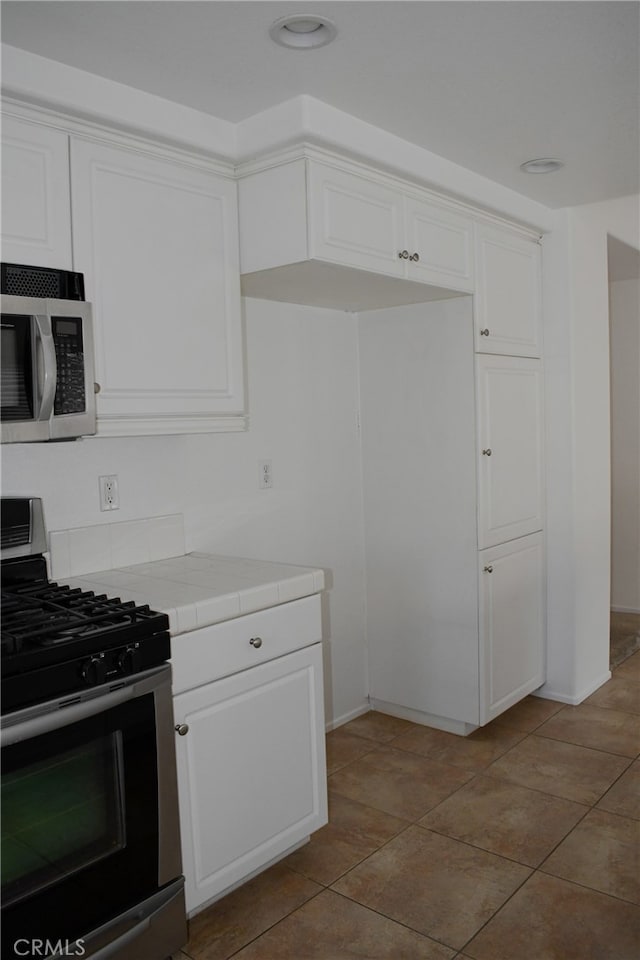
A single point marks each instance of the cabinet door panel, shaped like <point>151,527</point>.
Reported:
<point>510,474</point>
<point>354,221</point>
<point>508,307</point>
<point>251,770</point>
<point>36,210</point>
<point>444,243</point>
<point>158,244</point>
<point>512,619</point>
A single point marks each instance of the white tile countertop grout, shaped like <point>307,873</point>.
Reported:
<point>198,589</point>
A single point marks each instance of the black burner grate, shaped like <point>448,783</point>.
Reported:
<point>50,615</point>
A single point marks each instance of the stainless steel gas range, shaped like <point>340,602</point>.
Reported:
<point>90,833</point>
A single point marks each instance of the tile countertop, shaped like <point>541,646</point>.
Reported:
<point>199,589</point>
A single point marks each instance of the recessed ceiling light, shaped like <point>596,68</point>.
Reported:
<point>303,31</point>
<point>543,165</point>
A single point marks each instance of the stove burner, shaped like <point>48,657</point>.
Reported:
<point>53,636</point>
<point>49,614</point>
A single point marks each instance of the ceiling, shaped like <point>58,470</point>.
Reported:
<point>487,85</point>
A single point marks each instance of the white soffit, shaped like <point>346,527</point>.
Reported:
<point>485,85</point>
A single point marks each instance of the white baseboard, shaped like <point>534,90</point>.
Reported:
<point>562,696</point>
<point>458,727</point>
<point>345,717</point>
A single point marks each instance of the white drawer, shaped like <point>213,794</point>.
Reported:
<point>200,656</point>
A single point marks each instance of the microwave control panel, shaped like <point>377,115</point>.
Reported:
<point>70,386</point>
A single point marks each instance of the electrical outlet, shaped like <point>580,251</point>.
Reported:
<point>265,477</point>
<point>109,499</point>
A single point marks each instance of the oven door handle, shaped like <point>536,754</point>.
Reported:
<point>142,918</point>
<point>16,728</point>
<point>113,949</point>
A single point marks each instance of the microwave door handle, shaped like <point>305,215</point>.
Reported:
<point>48,393</point>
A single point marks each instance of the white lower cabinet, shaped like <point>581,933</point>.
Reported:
<point>512,623</point>
<point>251,768</point>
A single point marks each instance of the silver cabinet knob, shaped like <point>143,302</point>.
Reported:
<point>488,568</point>
<point>256,642</point>
<point>485,332</point>
<point>404,255</point>
<point>486,452</point>
<point>182,729</point>
<point>415,257</point>
<point>97,388</point>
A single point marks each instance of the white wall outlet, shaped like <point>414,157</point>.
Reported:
<point>265,478</point>
<point>109,499</point>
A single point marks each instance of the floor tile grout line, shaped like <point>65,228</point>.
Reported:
<point>400,923</point>
<point>329,886</point>
<point>498,910</point>
<point>572,743</point>
<point>585,886</point>
<point>290,913</point>
<point>503,856</point>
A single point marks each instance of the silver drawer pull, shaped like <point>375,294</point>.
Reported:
<point>485,332</point>
<point>182,729</point>
<point>256,642</point>
<point>488,568</point>
<point>487,452</point>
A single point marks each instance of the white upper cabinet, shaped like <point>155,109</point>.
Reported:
<point>510,438</point>
<point>36,214</point>
<point>355,221</point>
<point>321,234</point>
<point>157,241</point>
<point>508,309</point>
<point>441,243</point>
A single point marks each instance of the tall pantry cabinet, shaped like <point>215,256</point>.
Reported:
<point>452,437</point>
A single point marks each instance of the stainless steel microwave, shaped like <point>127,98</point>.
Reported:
<point>47,369</point>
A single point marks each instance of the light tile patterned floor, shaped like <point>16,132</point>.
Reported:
<point>520,842</point>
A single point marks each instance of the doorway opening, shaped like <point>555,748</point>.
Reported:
<point>624,353</point>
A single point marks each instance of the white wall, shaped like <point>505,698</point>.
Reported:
<point>624,307</point>
<point>576,318</point>
<point>303,401</point>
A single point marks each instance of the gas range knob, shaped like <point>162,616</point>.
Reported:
<point>127,661</point>
<point>94,670</point>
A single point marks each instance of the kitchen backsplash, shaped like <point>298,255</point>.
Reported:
<point>107,545</point>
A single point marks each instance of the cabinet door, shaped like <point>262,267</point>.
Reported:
<point>508,307</point>
<point>251,770</point>
<point>36,210</point>
<point>158,244</point>
<point>443,243</point>
<point>510,434</point>
<point>512,623</point>
<point>355,221</point>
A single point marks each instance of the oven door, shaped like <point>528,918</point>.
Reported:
<point>28,361</point>
<point>84,837</point>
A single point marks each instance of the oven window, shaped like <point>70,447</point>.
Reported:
<point>62,814</point>
<point>79,823</point>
